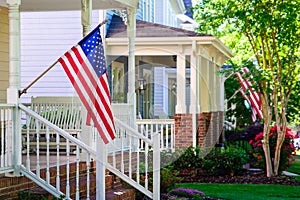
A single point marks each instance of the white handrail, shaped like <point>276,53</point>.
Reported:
<point>128,137</point>
<point>57,129</point>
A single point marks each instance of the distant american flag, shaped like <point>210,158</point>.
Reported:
<point>253,98</point>
<point>85,66</point>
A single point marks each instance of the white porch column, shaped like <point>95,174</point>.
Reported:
<point>86,16</point>
<point>205,95</point>
<point>193,91</point>
<point>214,85</point>
<point>181,84</point>
<point>14,51</point>
<point>87,131</point>
<point>14,78</point>
<point>131,33</point>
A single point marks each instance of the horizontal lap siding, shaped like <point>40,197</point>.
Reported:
<point>4,55</point>
<point>45,36</point>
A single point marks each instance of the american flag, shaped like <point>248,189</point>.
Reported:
<point>253,98</point>
<point>85,66</point>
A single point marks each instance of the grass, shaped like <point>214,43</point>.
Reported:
<point>246,191</point>
<point>295,167</point>
<point>251,191</point>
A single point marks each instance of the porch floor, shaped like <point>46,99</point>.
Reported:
<point>52,160</point>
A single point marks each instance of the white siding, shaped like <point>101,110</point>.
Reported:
<point>159,91</point>
<point>45,36</point>
<point>159,18</point>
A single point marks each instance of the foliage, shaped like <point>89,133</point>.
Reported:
<point>287,150</point>
<point>189,193</point>
<point>246,134</point>
<point>168,178</point>
<point>272,29</point>
<point>26,195</point>
<point>189,160</point>
<point>293,109</point>
<point>229,161</point>
<point>240,115</point>
<point>295,166</point>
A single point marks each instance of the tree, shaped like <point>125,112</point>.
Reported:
<point>272,28</point>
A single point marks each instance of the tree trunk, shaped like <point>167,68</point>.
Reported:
<point>269,168</point>
<point>280,140</point>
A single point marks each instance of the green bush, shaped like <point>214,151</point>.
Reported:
<point>287,153</point>
<point>229,161</point>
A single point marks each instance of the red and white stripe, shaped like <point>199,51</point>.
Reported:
<point>253,112</point>
<point>253,95</point>
<point>93,91</point>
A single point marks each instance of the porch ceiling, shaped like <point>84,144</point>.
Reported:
<point>58,5</point>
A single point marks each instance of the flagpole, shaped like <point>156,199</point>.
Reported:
<point>48,69</point>
<point>35,80</point>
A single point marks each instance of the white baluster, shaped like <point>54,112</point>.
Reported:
<point>167,136</point>
<point>88,175</point>
<point>114,152</point>
<point>68,170</point>
<point>138,165</point>
<point>122,151</point>
<point>130,157</point>
<point>156,168</point>
<point>57,163</point>
<point>9,130</point>
<point>37,148</point>
<point>27,142</point>
<point>47,156</point>
<point>172,138</point>
<point>77,172</point>
<point>146,163</point>
<point>161,136</point>
<point>2,137</point>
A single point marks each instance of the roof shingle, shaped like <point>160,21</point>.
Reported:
<point>117,29</point>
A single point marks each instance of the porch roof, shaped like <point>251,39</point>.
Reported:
<point>117,29</point>
<point>156,39</point>
<point>58,5</point>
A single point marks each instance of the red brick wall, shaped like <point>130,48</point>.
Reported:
<point>10,186</point>
<point>209,127</point>
<point>183,130</point>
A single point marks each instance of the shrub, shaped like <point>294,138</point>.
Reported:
<point>227,162</point>
<point>168,178</point>
<point>188,193</point>
<point>286,153</point>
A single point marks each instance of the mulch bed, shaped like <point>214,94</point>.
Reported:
<point>247,177</point>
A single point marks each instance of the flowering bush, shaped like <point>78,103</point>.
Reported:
<point>287,149</point>
<point>189,193</point>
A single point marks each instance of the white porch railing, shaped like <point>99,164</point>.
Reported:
<point>124,162</point>
<point>7,113</point>
<point>165,128</point>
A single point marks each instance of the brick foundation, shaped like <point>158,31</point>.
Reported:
<point>209,128</point>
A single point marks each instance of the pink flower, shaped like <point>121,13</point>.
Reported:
<point>273,129</point>
<point>259,136</point>
<point>251,141</point>
<point>258,157</point>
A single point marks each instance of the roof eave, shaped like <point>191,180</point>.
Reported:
<point>155,41</point>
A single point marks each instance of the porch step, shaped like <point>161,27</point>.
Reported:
<point>113,185</point>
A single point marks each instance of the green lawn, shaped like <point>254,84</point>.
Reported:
<point>295,166</point>
<point>251,191</point>
<point>246,191</point>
